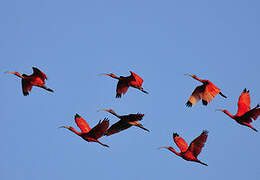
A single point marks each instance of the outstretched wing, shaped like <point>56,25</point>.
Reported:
<point>99,130</point>
<point>37,72</point>
<point>181,143</point>
<point>121,88</point>
<point>197,144</point>
<point>136,80</point>
<point>133,117</point>
<point>196,96</point>
<point>26,86</point>
<point>209,93</point>
<point>117,127</point>
<point>82,124</point>
<point>252,114</point>
<point>243,103</point>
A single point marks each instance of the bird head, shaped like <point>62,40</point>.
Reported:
<point>164,147</point>
<point>15,73</point>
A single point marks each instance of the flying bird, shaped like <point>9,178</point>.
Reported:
<point>244,113</point>
<point>88,134</point>
<point>124,83</point>
<point>125,122</point>
<point>37,78</point>
<point>207,91</point>
<point>189,153</point>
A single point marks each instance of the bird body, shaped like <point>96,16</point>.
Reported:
<point>207,91</point>
<point>190,152</point>
<point>244,113</point>
<point>28,81</point>
<point>124,83</point>
<point>125,122</point>
<point>88,134</point>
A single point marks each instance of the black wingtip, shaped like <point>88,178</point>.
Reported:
<point>205,131</point>
<point>189,104</point>
<point>175,134</point>
<point>77,115</point>
<point>205,103</point>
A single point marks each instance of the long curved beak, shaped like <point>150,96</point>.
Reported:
<point>64,127</point>
<point>101,74</point>
<point>104,110</point>
<point>163,147</point>
<point>6,72</point>
<point>219,110</point>
<point>188,75</point>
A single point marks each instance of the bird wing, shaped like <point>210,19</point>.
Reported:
<point>210,92</point>
<point>99,130</point>
<point>26,86</point>
<point>117,127</point>
<point>197,144</point>
<point>133,117</point>
<point>37,72</point>
<point>181,143</point>
<point>196,95</point>
<point>243,103</point>
<point>136,80</point>
<point>121,88</point>
<point>82,124</point>
<point>252,114</point>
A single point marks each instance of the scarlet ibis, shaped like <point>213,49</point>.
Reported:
<point>125,122</point>
<point>191,152</point>
<point>35,79</point>
<point>88,134</point>
<point>207,91</point>
<point>244,113</point>
<point>123,84</point>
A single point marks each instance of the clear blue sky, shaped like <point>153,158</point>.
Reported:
<point>73,41</point>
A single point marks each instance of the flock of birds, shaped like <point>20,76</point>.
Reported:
<point>207,91</point>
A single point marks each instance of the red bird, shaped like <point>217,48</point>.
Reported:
<point>35,79</point>
<point>125,122</point>
<point>88,134</point>
<point>191,152</point>
<point>123,84</point>
<point>207,92</point>
<point>244,113</point>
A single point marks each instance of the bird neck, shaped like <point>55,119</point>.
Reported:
<point>228,113</point>
<point>113,76</point>
<point>18,74</point>
<point>73,130</point>
<point>195,77</point>
<point>115,114</point>
<point>173,150</point>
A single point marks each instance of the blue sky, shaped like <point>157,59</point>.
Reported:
<point>74,41</point>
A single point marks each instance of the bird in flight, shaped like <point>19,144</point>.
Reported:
<point>124,83</point>
<point>244,113</point>
<point>191,152</point>
<point>125,122</point>
<point>88,134</point>
<point>37,78</point>
<point>207,91</point>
